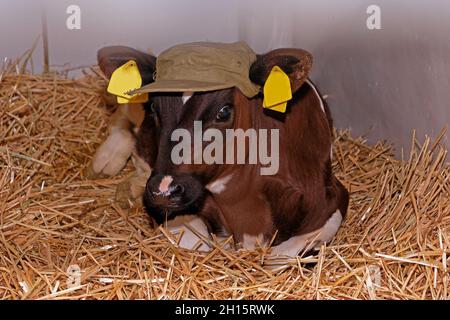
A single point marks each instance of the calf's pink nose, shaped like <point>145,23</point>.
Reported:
<point>165,184</point>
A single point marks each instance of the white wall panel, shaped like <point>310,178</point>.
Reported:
<point>383,82</point>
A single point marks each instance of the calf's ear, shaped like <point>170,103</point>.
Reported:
<point>111,58</point>
<point>296,63</point>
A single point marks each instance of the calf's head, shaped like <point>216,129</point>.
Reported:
<point>180,174</point>
<point>178,180</point>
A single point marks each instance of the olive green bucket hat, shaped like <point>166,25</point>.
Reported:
<point>204,66</point>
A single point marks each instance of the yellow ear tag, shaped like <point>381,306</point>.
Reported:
<point>124,79</point>
<point>277,90</point>
<point>137,98</point>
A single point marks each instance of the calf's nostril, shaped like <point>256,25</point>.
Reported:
<point>176,190</point>
<point>155,193</point>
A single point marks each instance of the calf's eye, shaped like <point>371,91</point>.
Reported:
<point>224,113</point>
<point>152,110</point>
<point>151,107</point>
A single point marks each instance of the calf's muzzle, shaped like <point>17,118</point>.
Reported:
<point>169,195</point>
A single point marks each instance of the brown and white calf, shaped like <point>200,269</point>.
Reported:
<point>303,204</point>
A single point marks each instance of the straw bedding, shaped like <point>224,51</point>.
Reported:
<point>394,243</point>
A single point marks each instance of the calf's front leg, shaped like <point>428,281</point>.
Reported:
<point>131,190</point>
<point>114,152</point>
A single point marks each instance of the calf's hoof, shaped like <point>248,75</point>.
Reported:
<point>90,174</point>
<point>113,154</point>
<point>124,197</point>
<point>129,192</point>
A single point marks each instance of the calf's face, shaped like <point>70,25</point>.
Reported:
<point>179,187</point>
<point>176,187</point>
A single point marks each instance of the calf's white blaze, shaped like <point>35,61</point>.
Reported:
<point>165,184</point>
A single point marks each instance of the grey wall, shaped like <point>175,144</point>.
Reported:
<point>383,82</point>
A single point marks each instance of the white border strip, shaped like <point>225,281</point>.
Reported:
<point>317,93</point>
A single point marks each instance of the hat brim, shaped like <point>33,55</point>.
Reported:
<point>181,86</point>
